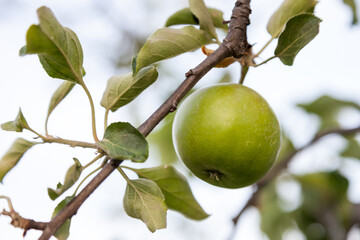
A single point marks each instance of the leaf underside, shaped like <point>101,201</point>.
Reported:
<point>144,200</point>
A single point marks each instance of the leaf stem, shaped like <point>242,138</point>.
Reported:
<point>106,118</point>
<point>264,47</point>
<point>11,208</point>
<point>92,161</point>
<point>132,169</point>
<point>87,176</point>
<point>46,126</point>
<point>36,133</point>
<point>92,110</point>
<point>124,175</point>
<point>267,60</point>
<point>72,143</point>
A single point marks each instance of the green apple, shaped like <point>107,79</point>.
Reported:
<point>227,135</point>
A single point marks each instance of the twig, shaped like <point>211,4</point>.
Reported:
<point>18,221</point>
<point>235,44</point>
<point>283,165</point>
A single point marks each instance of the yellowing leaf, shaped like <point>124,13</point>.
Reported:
<point>224,63</point>
<point>13,155</point>
<point>71,177</point>
<point>18,125</point>
<point>60,93</point>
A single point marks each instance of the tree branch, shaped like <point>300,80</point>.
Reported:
<point>23,223</point>
<point>235,44</point>
<point>284,164</point>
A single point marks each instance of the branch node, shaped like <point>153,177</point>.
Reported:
<point>173,107</point>
<point>19,222</point>
<point>189,73</point>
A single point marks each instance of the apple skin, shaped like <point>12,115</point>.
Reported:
<point>227,135</point>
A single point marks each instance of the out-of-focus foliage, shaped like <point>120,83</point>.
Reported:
<point>327,109</point>
<point>352,149</point>
<point>324,211</point>
<point>161,139</point>
<point>352,5</point>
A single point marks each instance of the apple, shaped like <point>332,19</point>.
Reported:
<point>227,135</point>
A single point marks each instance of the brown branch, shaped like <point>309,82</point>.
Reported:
<point>277,169</point>
<point>23,223</point>
<point>235,44</point>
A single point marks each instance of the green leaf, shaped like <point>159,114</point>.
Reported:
<point>287,10</point>
<point>162,140</point>
<point>352,149</point>
<point>327,109</point>
<point>198,8</point>
<point>64,231</point>
<point>18,125</point>
<point>71,177</point>
<point>121,90</point>
<point>58,96</point>
<point>185,16</point>
<point>167,43</point>
<point>299,31</point>
<point>122,141</point>
<point>13,155</point>
<point>58,47</point>
<point>177,192</point>
<point>352,5</point>
<point>323,188</point>
<point>144,200</point>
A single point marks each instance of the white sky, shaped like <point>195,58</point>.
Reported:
<point>328,65</point>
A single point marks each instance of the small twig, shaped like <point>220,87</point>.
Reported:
<point>72,143</point>
<point>18,221</point>
<point>23,223</point>
<point>11,208</point>
<point>277,169</point>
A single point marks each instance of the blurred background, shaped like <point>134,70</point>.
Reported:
<point>324,176</point>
